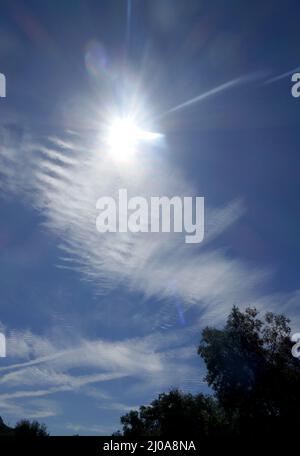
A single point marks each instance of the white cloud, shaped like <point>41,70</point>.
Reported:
<point>63,180</point>
<point>93,429</point>
<point>149,360</point>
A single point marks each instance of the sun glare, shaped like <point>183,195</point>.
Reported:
<point>124,137</point>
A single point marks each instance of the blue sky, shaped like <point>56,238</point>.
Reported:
<point>99,324</point>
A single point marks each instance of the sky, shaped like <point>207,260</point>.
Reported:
<point>96,323</point>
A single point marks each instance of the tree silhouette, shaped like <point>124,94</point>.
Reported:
<point>175,413</point>
<point>4,429</point>
<point>26,428</point>
<point>251,369</point>
<point>254,377</point>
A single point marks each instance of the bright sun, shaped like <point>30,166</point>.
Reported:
<point>123,139</point>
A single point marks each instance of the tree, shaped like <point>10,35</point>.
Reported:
<point>176,413</point>
<point>4,429</point>
<point>252,372</point>
<point>26,428</point>
<point>254,377</point>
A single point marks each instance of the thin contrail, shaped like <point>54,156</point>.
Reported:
<point>204,95</point>
<point>282,76</point>
<point>213,91</point>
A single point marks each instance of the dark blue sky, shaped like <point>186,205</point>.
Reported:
<point>99,324</point>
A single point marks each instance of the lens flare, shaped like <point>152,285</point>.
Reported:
<point>124,137</point>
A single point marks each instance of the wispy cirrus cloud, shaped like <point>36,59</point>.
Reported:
<point>149,360</point>
<point>63,178</point>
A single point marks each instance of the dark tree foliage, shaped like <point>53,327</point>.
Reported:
<point>251,369</point>
<point>26,428</point>
<point>254,377</point>
<point>175,413</point>
<point>4,429</point>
